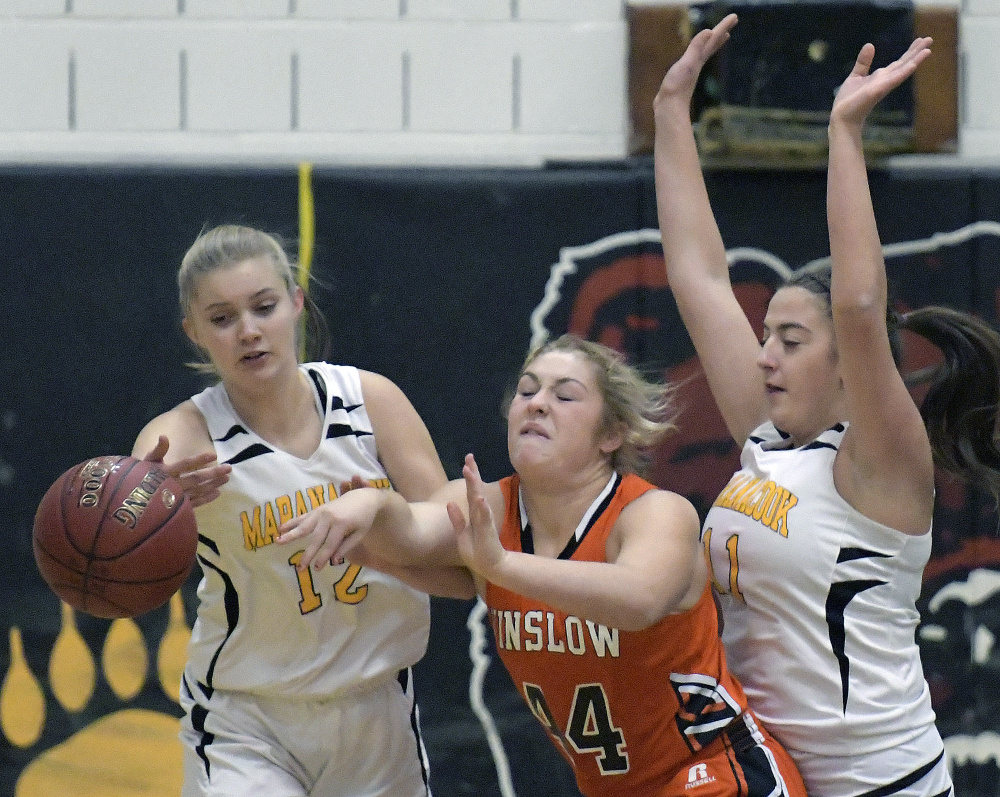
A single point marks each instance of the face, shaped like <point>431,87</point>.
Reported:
<point>555,419</point>
<point>244,318</point>
<point>799,361</point>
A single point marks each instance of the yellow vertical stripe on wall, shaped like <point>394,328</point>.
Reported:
<point>307,235</point>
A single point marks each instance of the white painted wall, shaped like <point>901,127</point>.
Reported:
<point>421,82</point>
<point>979,69</point>
<point>380,82</point>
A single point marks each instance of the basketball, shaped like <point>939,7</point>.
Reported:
<point>115,536</point>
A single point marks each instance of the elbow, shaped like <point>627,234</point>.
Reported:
<point>466,594</point>
<point>859,306</point>
<point>640,615</point>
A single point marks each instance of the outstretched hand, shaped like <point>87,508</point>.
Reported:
<point>863,89</point>
<point>478,539</point>
<point>201,476</point>
<point>331,530</point>
<point>682,77</point>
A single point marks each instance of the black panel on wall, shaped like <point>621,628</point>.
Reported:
<point>430,277</point>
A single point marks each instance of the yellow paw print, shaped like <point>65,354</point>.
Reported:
<point>113,744</point>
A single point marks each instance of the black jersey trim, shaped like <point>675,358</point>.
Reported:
<point>575,540</point>
<point>231,601</point>
<point>841,594</point>
<point>251,451</point>
<point>528,541</point>
<point>906,780</point>
<point>818,444</point>
<point>337,403</point>
<point>320,383</point>
<point>405,678</point>
<point>231,432</point>
<point>345,430</point>
<point>850,554</point>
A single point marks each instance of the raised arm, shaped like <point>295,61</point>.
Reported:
<point>887,472</point>
<point>655,563</point>
<point>697,269</point>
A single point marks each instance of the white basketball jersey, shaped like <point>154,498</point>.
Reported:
<point>262,626</point>
<point>819,603</point>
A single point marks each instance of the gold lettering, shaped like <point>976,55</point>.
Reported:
<point>252,539</point>
<point>765,495</point>
<point>780,522</point>
<point>270,525</point>
<point>767,516</point>
<point>707,543</point>
<point>316,496</point>
<point>284,505</point>
<point>344,589</point>
<point>740,500</point>
<point>725,498</point>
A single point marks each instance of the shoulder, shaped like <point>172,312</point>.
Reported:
<point>380,390</point>
<point>185,428</point>
<point>659,509</point>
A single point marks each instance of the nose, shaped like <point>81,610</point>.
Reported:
<point>249,329</point>
<point>766,356</point>
<point>538,403</point>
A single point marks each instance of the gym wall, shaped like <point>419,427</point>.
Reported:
<point>440,279</point>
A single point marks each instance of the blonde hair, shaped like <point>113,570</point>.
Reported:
<point>642,409</point>
<point>229,244</point>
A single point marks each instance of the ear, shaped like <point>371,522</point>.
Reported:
<point>298,300</point>
<point>188,328</point>
<point>613,439</point>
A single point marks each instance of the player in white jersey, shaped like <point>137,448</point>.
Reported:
<point>819,605</point>
<point>818,544</point>
<point>298,680</point>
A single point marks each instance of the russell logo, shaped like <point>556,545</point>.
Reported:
<point>698,776</point>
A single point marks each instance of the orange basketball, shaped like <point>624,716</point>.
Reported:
<point>115,536</point>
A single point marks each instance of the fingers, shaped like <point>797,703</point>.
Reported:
<point>200,476</point>
<point>457,518</point>
<point>680,80</point>
<point>864,61</point>
<point>205,486</point>
<point>479,513</point>
<point>356,483</point>
<point>707,43</point>
<point>321,545</point>
<point>159,450</point>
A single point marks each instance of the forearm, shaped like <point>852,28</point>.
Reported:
<point>859,282</point>
<point>605,593</point>
<point>416,534</point>
<point>443,582</point>
<point>692,244</point>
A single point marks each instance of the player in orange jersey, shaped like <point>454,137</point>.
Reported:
<point>595,581</point>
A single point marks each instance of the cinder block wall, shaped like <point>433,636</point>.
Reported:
<point>332,81</point>
<point>380,82</point>
<point>979,107</point>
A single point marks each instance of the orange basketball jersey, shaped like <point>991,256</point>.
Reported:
<point>632,711</point>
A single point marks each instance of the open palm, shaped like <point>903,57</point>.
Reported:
<point>863,89</point>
